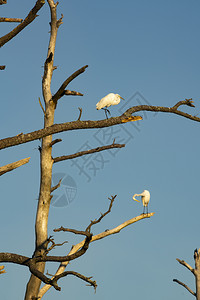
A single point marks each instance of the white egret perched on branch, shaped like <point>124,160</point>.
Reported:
<point>145,195</point>
<point>110,99</point>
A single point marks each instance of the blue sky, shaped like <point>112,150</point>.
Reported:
<point>148,52</point>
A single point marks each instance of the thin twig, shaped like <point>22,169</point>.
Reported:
<point>80,113</point>
<point>185,286</point>
<point>56,186</point>
<point>53,244</point>
<point>41,106</point>
<point>55,142</point>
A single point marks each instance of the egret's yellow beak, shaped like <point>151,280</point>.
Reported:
<point>121,98</point>
<point>136,199</point>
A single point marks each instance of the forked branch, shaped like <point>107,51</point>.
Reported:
<point>61,90</point>
<point>92,222</point>
<point>99,236</point>
<point>31,263</point>
<point>53,244</point>
<point>66,273</point>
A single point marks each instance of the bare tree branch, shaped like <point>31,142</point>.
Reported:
<point>66,273</point>
<point>56,186</point>
<point>14,258</point>
<point>53,282</point>
<point>75,252</point>
<point>86,152</point>
<point>188,102</point>
<point>172,109</point>
<point>68,257</point>
<point>61,90</point>
<point>75,231</point>
<point>87,231</point>
<point>17,20</point>
<point>72,93</point>
<point>55,142</point>
<point>185,286</point>
<point>53,244</point>
<point>182,262</point>
<point>76,125</point>
<point>99,236</point>
<point>30,17</point>
<point>14,165</point>
<point>93,222</point>
<point>80,113</point>
<point>32,262</point>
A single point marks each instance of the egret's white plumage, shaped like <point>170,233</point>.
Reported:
<point>145,196</point>
<point>107,101</point>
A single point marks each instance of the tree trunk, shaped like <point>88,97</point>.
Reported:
<point>46,161</point>
<point>197,272</point>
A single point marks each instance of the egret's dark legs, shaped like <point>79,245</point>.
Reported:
<point>106,110</point>
<point>144,209</point>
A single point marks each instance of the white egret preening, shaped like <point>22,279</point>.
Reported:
<point>110,99</point>
<point>145,196</point>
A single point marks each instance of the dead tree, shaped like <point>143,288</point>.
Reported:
<point>195,271</point>
<point>43,243</point>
